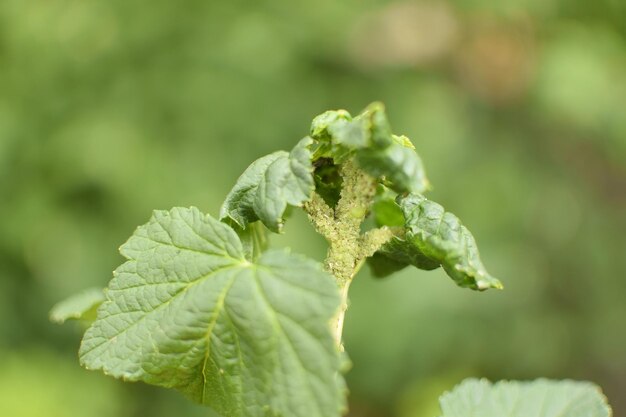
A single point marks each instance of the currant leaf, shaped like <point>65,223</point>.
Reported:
<point>368,138</point>
<point>540,398</point>
<point>189,311</point>
<point>268,185</point>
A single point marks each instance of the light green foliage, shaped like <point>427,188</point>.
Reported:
<point>268,185</point>
<point>81,306</point>
<point>432,237</point>
<point>540,398</point>
<point>188,311</point>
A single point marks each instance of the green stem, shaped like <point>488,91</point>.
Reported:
<point>338,320</point>
<point>341,226</point>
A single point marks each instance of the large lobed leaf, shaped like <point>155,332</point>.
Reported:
<point>432,238</point>
<point>268,185</point>
<point>368,138</point>
<point>188,311</point>
<point>540,398</point>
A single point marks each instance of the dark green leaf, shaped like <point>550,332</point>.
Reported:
<point>396,254</point>
<point>440,236</point>
<point>431,238</point>
<point>268,185</point>
<point>328,181</point>
<point>382,265</point>
<point>404,253</point>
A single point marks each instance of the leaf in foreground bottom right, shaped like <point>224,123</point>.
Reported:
<point>540,398</point>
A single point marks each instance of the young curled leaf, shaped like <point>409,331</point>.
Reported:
<point>189,311</point>
<point>397,253</point>
<point>399,166</point>
<point>440,236</point>
<point>433,237</point>
<point>368,138</point>
<point>268,185</point>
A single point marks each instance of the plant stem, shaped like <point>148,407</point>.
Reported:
<point>341,226</point>
<point>341,314</point>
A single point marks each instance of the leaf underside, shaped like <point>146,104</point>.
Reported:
<point>540,398</point>
<point>188,311</point>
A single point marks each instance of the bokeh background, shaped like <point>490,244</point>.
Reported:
<point>109,109</point>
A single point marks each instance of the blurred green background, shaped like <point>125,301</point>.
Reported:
<point>109,109</point>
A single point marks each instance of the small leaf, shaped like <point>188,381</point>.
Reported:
<point>431,238</point>
<point>402,253</point>
<point>368,138</point>
<point>383,265</point>
<point>81,306</point>
<point>353,134</point>
<point>540,398</point>
<point>400,166</point>
<point>239,203</point>
<point>269,184</point>
<point>440,236</point>
<point>188,311</point>
<point>396,254</point>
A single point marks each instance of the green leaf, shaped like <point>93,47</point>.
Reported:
<point>385,209</point>
<point>440,236</point>
<point>268,185</point>
<point>540,398</point>
<point>400,167</point>
<point>431,238</point>
<point>188,311</point>
<point>80,306</point>
<point>320,124</point>
<point>368,138</point>
<point>383,265</point>
<point>352,134</point>
<point>402,253</point>
<point>396,254</point>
